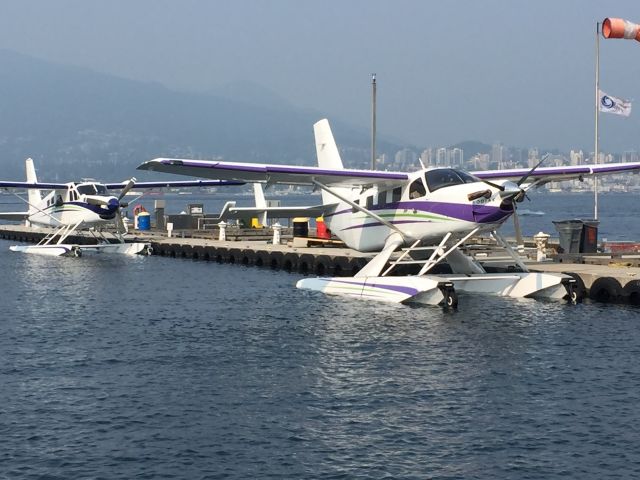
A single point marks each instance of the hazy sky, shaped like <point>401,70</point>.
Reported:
<point>520,72</point>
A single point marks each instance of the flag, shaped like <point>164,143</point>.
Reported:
<point>610,104</point>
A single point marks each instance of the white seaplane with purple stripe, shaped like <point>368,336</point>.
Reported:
<point>428,214</point>
<point>68,207</point>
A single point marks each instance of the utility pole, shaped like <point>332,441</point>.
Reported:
<point>373,121</point>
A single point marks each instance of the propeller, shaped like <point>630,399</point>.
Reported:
<point>519,197</point>
<point>125,190</point>
<point>114,204</point>
<point>520,193</point>
<point>122,227</point>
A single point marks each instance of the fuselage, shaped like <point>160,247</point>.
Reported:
<point>431,204</point>
<point>88,203</point>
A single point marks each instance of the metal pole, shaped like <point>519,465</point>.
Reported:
<point>597,116</point>
<point>373,121</point>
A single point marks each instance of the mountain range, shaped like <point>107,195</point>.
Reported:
<point>75,122</point>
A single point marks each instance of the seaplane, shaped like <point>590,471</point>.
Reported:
<point>428,214</point>
<point>87,205</point>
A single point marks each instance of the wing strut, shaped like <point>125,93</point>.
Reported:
<point>358,207</point>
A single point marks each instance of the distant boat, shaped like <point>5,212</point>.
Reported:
<point>530,213</point>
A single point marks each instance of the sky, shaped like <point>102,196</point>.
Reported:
<point>516,72</point>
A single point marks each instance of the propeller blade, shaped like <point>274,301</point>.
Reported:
<point>494,185</point>
<point>121,227</point>
<point>530,172</point>
<point>516,226</point>
<point>127,187</point>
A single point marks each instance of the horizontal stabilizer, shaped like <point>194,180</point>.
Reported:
<point>14,216</point>
<point>275,212</point>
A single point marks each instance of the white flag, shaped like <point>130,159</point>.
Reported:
<point>610,104</point>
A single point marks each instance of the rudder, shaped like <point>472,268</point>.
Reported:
<point>328,154</point>
<point>34,194</point>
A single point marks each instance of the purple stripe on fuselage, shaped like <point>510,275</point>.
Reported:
<point>467,212</point>
<point>393,222</point>
<point>104,213</point>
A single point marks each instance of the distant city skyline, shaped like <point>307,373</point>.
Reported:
<point>521,73</point>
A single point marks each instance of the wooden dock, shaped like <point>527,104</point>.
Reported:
<point>604,277</point>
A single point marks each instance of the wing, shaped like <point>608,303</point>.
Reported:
<point>274,174</point>
<point>29,185</point>
<point>176,183</point>
<point>554,174</point>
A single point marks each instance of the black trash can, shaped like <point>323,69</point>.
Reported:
<point>578,236</point>
<point>300,227</point>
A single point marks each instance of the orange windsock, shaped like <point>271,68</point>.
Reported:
<point>620,28</point>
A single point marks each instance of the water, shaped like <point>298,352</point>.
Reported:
<point>150,367</point>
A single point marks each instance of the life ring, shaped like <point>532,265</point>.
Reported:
<point>606,289</point>
<point>138,209</point>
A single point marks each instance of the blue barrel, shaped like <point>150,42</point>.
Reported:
<point>144,221</point>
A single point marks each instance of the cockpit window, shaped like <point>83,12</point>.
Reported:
<point>417,190</point>
<point>86,190</point>
<point>92,189</point>
<point>446,177</point>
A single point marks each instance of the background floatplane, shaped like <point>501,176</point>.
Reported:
<point>70,207</point>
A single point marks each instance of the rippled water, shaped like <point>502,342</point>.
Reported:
<point>150,367</point>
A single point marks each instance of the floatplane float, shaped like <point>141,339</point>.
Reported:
<point>428,214</point>
<point>70,207</point>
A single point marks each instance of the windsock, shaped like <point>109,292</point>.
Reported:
<point>620,28</point>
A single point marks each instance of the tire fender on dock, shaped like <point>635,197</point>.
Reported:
<point>631,292</point>
<point>306,263</point>
<point>322,265</point>
<point>606,290</point>
<point>290,262</point>
<point>276,261</point>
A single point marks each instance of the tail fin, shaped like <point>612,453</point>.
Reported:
<point>33,193</point>
<point>328,154</point>
<point>258,193</point>
<point>326,148</point>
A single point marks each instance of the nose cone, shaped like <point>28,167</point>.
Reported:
<point>113,204</point>
<point>511,189</point>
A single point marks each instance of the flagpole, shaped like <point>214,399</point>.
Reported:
<point>597,95</point>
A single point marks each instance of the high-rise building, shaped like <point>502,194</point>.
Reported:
<point>630,156</point>
<point>576,158</point>
<point>498,154</point>
<point>427,157</point>
<point>456,156</point>
<point>442,157</point>
<point>406,157</point>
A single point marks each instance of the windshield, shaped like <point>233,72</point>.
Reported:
<point>446,177</point>
<point>92,189</point>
